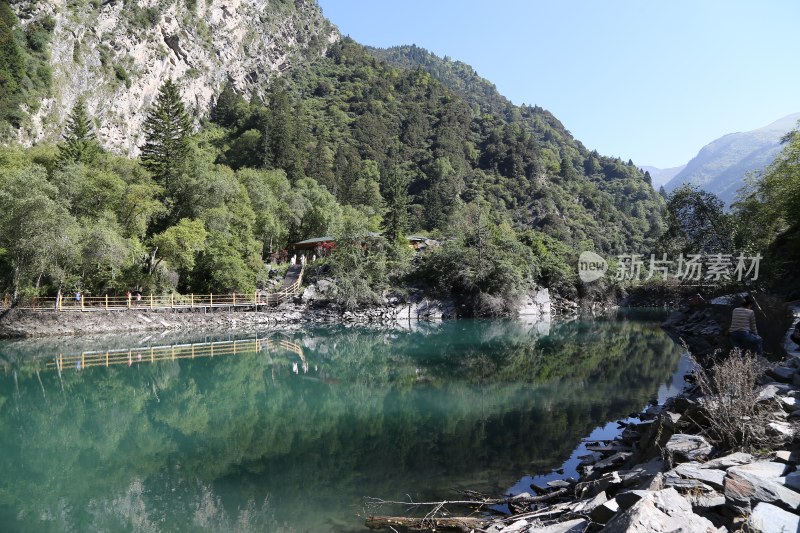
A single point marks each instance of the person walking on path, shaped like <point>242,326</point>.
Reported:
<point>743,330</point>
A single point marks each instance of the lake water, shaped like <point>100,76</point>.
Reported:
<point>291,430</point>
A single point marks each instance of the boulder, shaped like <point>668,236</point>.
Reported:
<point>682,447</point>
<point>659,512</point>
<point>758,482</point>
<point>767,518</point>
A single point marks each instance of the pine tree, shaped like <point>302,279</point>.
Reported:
<point>395,220</point>
<point>167,129</point>
<point>80,144</point>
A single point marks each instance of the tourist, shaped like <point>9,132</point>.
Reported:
<point>743,330</point>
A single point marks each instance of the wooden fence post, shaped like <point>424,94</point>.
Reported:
<point>172,300</point>
<point>106,301</point>
<point>234,299</point>
<point>211,300</point>
<point>151,300</point>
<point>191,300</point>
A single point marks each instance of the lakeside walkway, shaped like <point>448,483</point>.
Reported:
<point>203,302</point>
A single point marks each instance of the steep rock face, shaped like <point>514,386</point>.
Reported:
<point>117,53</point>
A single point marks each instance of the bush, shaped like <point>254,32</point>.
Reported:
<point>738,421</point>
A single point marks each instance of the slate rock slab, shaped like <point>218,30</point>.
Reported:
<point>682,448</point>
<point>767,518</point>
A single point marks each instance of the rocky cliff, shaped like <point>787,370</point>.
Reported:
<point>116,54</point>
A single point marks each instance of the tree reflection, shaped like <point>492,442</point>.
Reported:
<point>156,447</point>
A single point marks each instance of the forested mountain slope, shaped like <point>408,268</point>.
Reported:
<point>276,130</point>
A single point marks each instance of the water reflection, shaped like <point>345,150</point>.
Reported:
<point>283,438</point>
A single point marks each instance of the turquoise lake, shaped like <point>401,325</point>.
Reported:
<point>290,430</point>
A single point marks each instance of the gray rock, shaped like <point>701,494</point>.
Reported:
<point>627,499</point>
<point>659,512</point>
<point>586,506</point>
<point>789,457</point>
<point>682,447</point>
<point>617,458</point>
<point>671,419</point>
<point>765,469</point>
<point>705,501</point>
<point>747,485</point>
<point>771,391</point>
<point>767,518</point>
<point>570,526</point>
<point>789,403</point>
<point>710,476</point>
<point>516,527</point>
<point>783,430</point>
<point>590,458</point>
<point>607,482</point>
<point>781,374</point>
<point>604,512</point>
<point>792,480</point>
<point>734,459</point>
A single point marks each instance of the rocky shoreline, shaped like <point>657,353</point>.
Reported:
<point>662,474</point>
<point>309,308</point>
<point>665,472</point>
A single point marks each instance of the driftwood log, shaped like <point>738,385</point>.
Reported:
<point>398,523</point>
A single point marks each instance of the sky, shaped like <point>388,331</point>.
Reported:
<point>648,80</point>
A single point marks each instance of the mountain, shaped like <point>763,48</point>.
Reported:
<point>660,176</point>
<point>296,133</point>
<point>721,166</point>
<point>116,54</point>
<point>576,184</point>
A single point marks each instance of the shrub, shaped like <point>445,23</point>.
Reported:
<point>737,419</point>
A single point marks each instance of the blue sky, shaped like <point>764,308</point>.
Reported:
<point>649,80</point>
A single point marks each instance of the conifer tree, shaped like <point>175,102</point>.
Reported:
<point>167,129</point>
<point>80,143</point>
<point>395,220</point>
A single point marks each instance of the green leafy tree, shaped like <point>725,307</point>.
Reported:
<point>359,263</point>
<point>696,223</point>
<point>167,129</point>
<point>178,245</point>
<point>38,233</point>
<point>80,143</point>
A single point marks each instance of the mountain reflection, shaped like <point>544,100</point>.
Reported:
<point>292,430</point>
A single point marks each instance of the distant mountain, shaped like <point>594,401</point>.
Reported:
<point>660,176</point>
<point>721,166</point>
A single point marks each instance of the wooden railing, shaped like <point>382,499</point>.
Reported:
<point>152,354</point>
<point>156,301</point>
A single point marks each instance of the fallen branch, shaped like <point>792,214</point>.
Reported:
<point>478,500</point>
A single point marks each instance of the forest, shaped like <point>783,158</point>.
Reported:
<point>367,146</point>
